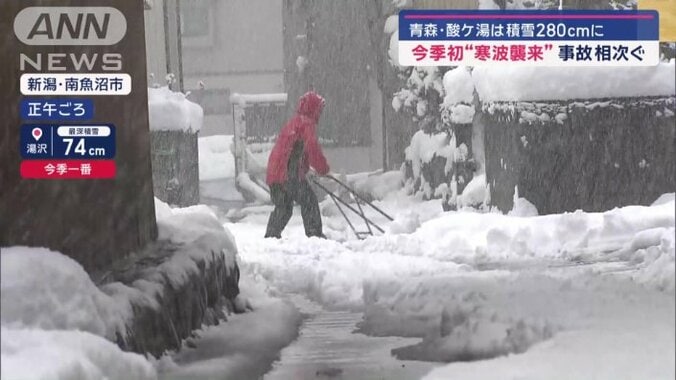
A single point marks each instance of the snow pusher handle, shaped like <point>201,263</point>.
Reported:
<point>356,195</point>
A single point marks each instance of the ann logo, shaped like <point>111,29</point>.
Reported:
<point>70,26</point>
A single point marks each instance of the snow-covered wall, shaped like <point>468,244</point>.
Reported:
<point>586,155</point>
<point>174,124</point>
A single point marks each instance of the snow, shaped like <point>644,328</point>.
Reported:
<point>522,207</point>
<point>560,83</point>
<point>377,185</point>
<point>459,90</point>
<point>301,63</point>
<point>458,86</point>
<point>488,4</point>
<point>391,24</point>
<point>462,114</point>
<point>405,223</point>
<point>401,3</point>
<point>664,199</point>
<point>171,111</point>
<point>60,328</point>
<point>393,51</point>
<point>216,160</point>
<point>423,148</point>
<point>244,346</point>
<point>245,182</point>
<point>55,318</point>
<point>71,354</point>
<point>68,301</point>
<point>474,193</point>
<point>530,295</point>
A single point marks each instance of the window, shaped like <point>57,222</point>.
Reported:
<point>197,22</point>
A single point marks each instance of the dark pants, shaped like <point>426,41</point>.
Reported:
<point>283,197</point>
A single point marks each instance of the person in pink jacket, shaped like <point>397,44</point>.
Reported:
<point>296,150</point>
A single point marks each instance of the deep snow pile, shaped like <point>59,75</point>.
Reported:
<point>636,235</point>
<point>55,321</point>
<point>591,291</point>
<point>171,111</point>
<point>67,354</point>
<point>377,185</point>
<point>50,305</point>
<point>216,160</point>
<point>560,83</point>
<point>242,348</point>
<point>459,95</point>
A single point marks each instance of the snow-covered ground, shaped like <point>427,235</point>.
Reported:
<point>482,295</point>
<point>57,324</point>
<point>576,295</point>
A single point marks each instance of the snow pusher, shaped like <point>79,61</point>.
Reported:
<point>359,200</point>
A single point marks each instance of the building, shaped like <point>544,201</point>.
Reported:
<point>232,46</point>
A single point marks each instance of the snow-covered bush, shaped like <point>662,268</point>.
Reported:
<point>438,162</point>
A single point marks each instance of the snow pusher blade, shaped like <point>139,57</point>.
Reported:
<point>370,225</point>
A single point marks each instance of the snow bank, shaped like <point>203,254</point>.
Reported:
<point>561,83</point>
<point>664,199</point>
<point>55,321</point>
<point>405,223</point>
<point>44,289</point>
<point>474,193</point>
<point>171,111</point>
<point>216,160</point>
<point>602,354</point>
<point>654,252</point>
<point>198,230</point>
<point>249,187</point>
<point>242,348</point>
<point>523,207</point>
<point>377,185</point>
<point>52,355</point>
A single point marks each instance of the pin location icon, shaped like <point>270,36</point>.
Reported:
<point>37,133</point>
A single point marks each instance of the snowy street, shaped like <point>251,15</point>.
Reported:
<point>504,297</point>
<point>352,190</point>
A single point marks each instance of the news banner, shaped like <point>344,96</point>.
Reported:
<point>536,38</point>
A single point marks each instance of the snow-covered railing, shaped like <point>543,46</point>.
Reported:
<point>256,119</point>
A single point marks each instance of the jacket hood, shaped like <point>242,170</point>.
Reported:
<point>310,105</point>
